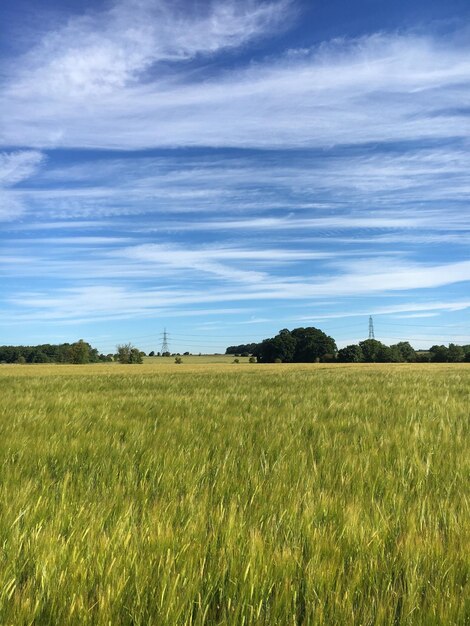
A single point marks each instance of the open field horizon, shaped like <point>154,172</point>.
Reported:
<point>208,363</point>
<point>234,494</point>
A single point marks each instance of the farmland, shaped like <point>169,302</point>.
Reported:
<point>222,493</point>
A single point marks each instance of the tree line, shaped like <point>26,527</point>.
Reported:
<point>79,352</point>
<point>307,345</point>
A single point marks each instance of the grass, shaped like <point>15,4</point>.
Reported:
<point>234,494</point>
<point>196,359</point>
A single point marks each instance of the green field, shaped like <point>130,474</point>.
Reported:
<point>195,359</point>
<point>225,493</point>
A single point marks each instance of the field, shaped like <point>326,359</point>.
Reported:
<point>225,493</point>
<point>194,359</point>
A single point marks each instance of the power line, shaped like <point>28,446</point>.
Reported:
<point>371,328</point>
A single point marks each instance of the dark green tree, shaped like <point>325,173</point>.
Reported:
<point>439,354</point>
<point>312,344</point>
<point>407,352</point>
<point>350,354</point>
<point>282,347</point>
<point>373,350</point>
<point>455,353</point>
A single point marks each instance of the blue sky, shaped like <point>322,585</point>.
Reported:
<point>226,169</point>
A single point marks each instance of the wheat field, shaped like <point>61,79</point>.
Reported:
<point>240,494</point>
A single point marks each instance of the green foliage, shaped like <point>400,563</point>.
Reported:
<point>79,352</point>
<point>372,350</point>
<point>178,360</point>
<point>406,351</point>
<point>244,348</point>
<point>439,354</point>
<point>265,496</point>
<point>451,354</point>
<point>126,353</point>
<point>455,354</point>
<point>301,345</point>
<point>350,354</point>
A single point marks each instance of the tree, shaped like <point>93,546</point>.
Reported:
<point>79,352</point>
<point>40,357</point>
<point>312,344</point>
<point>350,354</point>
<point>301,345</point>
<point>244,347</point>
<point>407,352</point>
<point>439,354</point>
<point>151,353</point>
<point>126,353</point>
<point>455,353</point>
<point>373,350</point>
<point>282,347</point>
<point>386,354</point>
<point>395,354</point>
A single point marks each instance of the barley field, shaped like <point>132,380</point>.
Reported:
<point>240,494</point>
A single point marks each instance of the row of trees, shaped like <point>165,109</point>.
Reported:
<point>79,352</point>
<point>244,349</point>
<point>373,351</point>
<point>311,344</point>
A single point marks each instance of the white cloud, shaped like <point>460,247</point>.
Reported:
<point>378,88</point>
<point>107,302</point>
<point>100,52</point>
<point>19,165</point>
<point>14,168</point>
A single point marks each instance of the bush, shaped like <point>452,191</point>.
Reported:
<point>236,360</point>
<point>178,360</point>
<point>277,360</point>
<point>252,359</point>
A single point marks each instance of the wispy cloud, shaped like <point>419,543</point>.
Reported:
<point>361,279</point>
<point>15,167</point>
<point>100,52</point>
<point>232,175</point>
<point>377,88</point>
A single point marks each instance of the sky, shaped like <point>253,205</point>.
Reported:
<point>226,169</point>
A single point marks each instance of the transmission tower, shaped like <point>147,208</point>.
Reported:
<point>371,328</point>
<point>165,347</point>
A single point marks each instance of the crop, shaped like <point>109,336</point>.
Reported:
<point>223,494</point>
